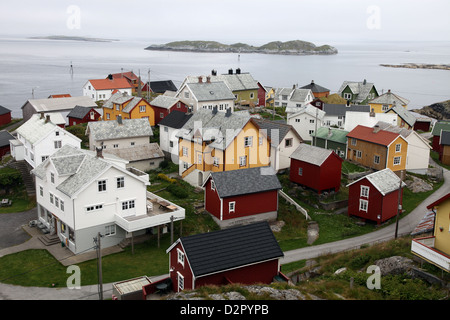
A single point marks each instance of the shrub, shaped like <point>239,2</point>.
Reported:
<point>177,190</point>
<point>162,176</point>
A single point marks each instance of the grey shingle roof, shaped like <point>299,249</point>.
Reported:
<point>5,136</point>
<point>274,129</point>
<point>139,152</point>
<point>445,138</point>
<point>341,109</point>
<point>230,248</point>
<point>385,181</point>
<point>315,87</point>
<point>112,129</point>
<point>236,81</point>
<point>403,114</point>
<point>362,89</point>
<point>245,181</point>
<point>175,119</point>
<point>47,105</point>
<point>164,101</point>
<point>211,91</point>
<point>311,154</point>
<point>390,98</point>
<point>79,112</point>
<point>117,98</point>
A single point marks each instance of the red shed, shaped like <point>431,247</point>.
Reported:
<point>244,254</point>
<point>81,114</point>
<point>262,92</point>
<point>375,196</point>
<point>163,105</point>
<point>5,115</point>
<point>239,196</point>
<point>316,168</point>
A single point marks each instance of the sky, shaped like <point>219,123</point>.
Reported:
<point>229,21</point>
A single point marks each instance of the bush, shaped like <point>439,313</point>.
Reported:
<point>162,176</point>
<point>178,191</point>
<point>164,164</point>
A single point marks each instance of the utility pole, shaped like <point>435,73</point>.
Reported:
<point>148,86</point>
<point>399,207</point>
<point>99,266</point>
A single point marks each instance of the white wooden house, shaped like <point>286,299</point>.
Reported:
<point>306,121</point>
<point>81,193</point>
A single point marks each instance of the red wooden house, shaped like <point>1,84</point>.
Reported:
<point>81,114</point>
<point>5,115</point>
<point>375,196</point>
<point>436,133</point>
<point>316,168</point>
<point>262,92</point>
<point>239,196</point>
<point>244,254</point>
<point>163,105</point>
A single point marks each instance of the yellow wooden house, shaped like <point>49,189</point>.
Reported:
<point>436,248</point>
<point>386,101</point>
<point>129,107</point>
<point>214,141</point>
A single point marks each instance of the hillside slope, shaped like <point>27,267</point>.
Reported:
<point>439,110</point>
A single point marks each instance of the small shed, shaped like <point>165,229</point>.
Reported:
<point>130,289</point>
<point>5,137</point>
<point>240,196</point>
<point>244,254</point>
<point>316,168</point>
<point>81,114</point>
<point>5,116</point>
<point>375,197</point>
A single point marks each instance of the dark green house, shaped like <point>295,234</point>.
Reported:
<point>332,139</point>
<point>358,92</point>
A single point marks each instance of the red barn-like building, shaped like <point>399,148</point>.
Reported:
<point>316,168</point>
<point>244,254</point>
<point>163,105</point>
<point>5,116</point>
<point>375,196</point>
<point>239,196</point>
<point>81,114</point>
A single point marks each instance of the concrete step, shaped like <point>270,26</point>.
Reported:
<point>49,240</point>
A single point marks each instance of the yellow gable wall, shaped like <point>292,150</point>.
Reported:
<point>402,153</point>
<point>442,238</point>
<point>134,114</point>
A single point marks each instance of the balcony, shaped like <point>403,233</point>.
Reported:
<point>424,248</point>
<point>159,211</point>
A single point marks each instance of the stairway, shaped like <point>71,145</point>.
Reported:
<point>28,181</point>
<point>49,240</point>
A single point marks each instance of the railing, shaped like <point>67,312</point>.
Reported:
<point>292,201</point>
<point>188,170</point>
<point>424,247</point>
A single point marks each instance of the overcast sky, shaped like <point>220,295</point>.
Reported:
<point>252,21</point>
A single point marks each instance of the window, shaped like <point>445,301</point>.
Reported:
<point>364,191</point>
<point>347,96</point>
<point>51,198</point>
<point>185,165</point>
<point>41,191</point>
<point>107,116</point>
<point>300,171</point>
<point>94,207</point>
<point>180,257</point>
<point>311,120</point>
<point>141,108</point>
<point>186,95</point>
<point>385,107</point>
<point>185,151</point>
<point>398,147</point>
<point>215,161</point>
<point>231,206</point>
<point>363,204</point>
<point>376,159</point>
<point>101,185</point>
<point>213,185</point>
<point>161,115</point>
<point>115,145</point>
<point>126,205</point>
<point>358,154</point>
<point>52,177</point>
<point>120,182</point>
<point>180,282</point>
<point>252,95</point>
<point>353,142</point>
<point>171,144</point>
<point>261,141</point>
<point>58,144</point>
<point>284,97</point>
<point>199,158</point>
<point>310,131</point>
<point>248,141</point>
<point>43,158</point>
<point>297,120</point>
<point>243,161</point>
<point>56,201</point>
<point>397,161</point>
<point>110,230</point>
<point>166,129</point>
<point>61,205</point>
<point>57,133</point>
<point>288,143</point>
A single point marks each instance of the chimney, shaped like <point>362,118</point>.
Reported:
<point>312,82</point>
<point>294,86</point>
<point>110,77</point>
<point>238,71</point>
<point>208,79</point>
<point>376,128</point>
<point>228,113</point>
<point>364,82</point>
<point>47,118</point>
<point>200,79</point>
<point>42,115</point>
<point>119,120</point>
<point>213,72</point>
<point>230,71</point>
<point>99,152</point>
<point>214,110</point>
<point>389,91</point>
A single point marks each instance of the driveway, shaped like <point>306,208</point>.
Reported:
<point>11,232</point>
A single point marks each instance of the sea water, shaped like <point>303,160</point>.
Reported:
<point>37,68</point>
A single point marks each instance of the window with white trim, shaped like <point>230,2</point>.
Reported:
<point>94,207</point>
<point>58,144</point>
<point>364,191</point>
<point>376,159</point>
<point>110,230</point>
<point>120,182</point>
<point>248,141</point>
<point>243,161</point>
<point>398,147</point>
<point>397,161</point>
<point>185,151</point>
<point>213,185</point>
<point>141,108</point>
<point>101,185</point>
<point>41,191</point>
<point>231,206</point>
<point>180,257</point>
<point>300,171</point>
<point>215,161</point>
<point>180,282</point>
<point>127,205</point>
<point>363,205</point>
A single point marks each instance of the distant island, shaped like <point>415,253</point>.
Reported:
<point>418,66</point>
<point>295,47</point>
<point>73,38</point>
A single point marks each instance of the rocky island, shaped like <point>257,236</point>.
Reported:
<point>74,38</point>
<point>295,47</point>
<point>418,66</point>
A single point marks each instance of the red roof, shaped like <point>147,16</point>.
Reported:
<point>439,201</point>
<point>368,134</point>
<point>65,95</point>
<point>105,84</point>
<point>130,75</point>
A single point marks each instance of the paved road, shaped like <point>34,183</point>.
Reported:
<point>406,226</point>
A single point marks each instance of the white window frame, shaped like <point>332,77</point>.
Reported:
<point>94,207</point>
<point>363,205</point>
<point>142,108</point>
<point>101,185</point>
<point>248,141</point>
<point>120,182</point>
<point>110,230</point>
<point>399,161</point>
<point>213,185</point>
<point>242,161</point>
<point>180,257</point>
<point>215,161</point>
<point>41,191</point>
<point>57,144</point>
<point>185,151</point>
<point>398,147</point>
<point>180,279</point>
<point>300,171</point>
<point>232,206</point>
<point>364,191</point>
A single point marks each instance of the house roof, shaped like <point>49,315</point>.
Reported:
<point>165,102</point>
<point>113,129</point>
<point>218,127</point>
<point>245,181</point>
<point>405,133</point>
<point>49,105</point>
<point>404,114</point>
<point>138,152</point>
<point>390,98</point>
<point>175,119</point>
<point>128,75</point>
<point>331,134</point>
<point>312,154</point>
<point>340,109</point>
<point>276,129</point>
<point>314,87</point>
<point>425,225</point>
<point>4,110</point>
<point>118,98</point>
<point>5,136</point>
<point>36,129</point>
<point>360,88</point>
<point>162,86</point>
<point>79,112</point>
<point>381,137</point>
<point>235,81</point>
<point>439,201</point>
<point>110,84</point>
<point>211,91</point>
<point>440,125</point>
<point>229,248</point>
<point>385,181</point>
<point>445,138</point>
<point>309,109</point>
<point>80,167</point>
